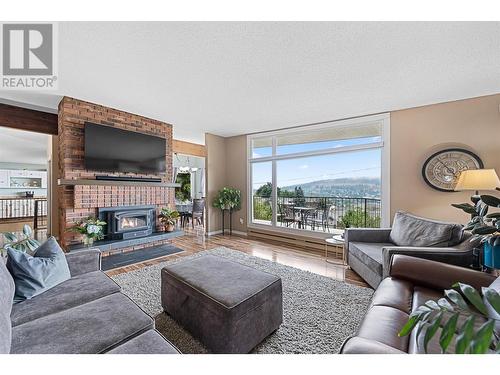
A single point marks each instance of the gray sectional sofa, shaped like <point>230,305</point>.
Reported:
<point>85,314</point>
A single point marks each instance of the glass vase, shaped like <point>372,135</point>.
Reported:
<point>87,240</point>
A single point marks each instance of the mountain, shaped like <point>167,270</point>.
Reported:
<point>361,187</point>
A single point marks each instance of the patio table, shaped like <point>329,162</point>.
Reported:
<point>302,212</point>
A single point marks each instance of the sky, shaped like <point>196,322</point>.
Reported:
<point>364,163</point>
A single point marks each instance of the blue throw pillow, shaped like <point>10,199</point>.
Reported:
<point>36,274</point>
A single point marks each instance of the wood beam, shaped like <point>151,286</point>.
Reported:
<point>187,148</point>
<point>28,119</point>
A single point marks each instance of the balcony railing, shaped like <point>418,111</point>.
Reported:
<point>319,213</point>
<point>24,209</point>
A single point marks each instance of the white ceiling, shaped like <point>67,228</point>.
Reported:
<point>22,147</point>
<point>241,77</point>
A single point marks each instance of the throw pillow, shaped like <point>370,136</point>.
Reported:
<point>411,230</point>
<point>36,274</point>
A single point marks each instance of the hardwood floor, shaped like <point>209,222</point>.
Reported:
<point>194,241</point>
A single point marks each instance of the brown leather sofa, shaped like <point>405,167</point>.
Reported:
<point>411,282</point>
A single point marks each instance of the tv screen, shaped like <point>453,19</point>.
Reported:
<point>115,150</point>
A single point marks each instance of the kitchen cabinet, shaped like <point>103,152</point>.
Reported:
<point>23,179</point>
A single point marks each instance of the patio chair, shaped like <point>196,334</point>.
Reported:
<point>320,218</point>
<point>287,215</point>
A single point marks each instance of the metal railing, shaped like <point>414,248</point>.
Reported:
<point>25,208</point>
<point>320,213</point>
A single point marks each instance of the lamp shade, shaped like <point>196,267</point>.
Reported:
<point>477,179</point>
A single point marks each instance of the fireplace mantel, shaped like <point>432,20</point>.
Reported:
<point>65,182</point>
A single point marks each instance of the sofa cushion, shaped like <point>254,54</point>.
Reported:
<point>394,293</point>
<point>86,329</point>
<point>359,345</point>
<point>150,342</point>
<point>73,292</point>
<point>411,230</point>
<point>369,253</point>
<point>7,289</point>
<point>382,324</point>
<point>35,274</point>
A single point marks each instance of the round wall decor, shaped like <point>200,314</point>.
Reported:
<point>441,170</point>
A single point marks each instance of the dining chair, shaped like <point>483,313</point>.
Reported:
<point>198,211</point>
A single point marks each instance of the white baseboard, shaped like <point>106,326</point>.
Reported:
<point>239,233</point>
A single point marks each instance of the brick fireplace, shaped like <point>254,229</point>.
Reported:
<point>80,201</point>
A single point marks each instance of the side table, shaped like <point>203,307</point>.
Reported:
<point>337,241</point>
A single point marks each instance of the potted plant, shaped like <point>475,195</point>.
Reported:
<point>484,227</point>
<point>91,230</point>
<point>464,304</point>
<point>168,218</point>
<point>228,199</point>
<point>21,242</point>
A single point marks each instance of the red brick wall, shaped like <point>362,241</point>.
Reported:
<point>82,201</point>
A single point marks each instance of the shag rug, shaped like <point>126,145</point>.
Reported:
<point>319,313</point>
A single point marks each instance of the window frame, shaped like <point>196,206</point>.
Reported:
<point>383,145</point>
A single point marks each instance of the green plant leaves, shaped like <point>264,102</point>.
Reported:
<point>465,337</point>
<point>490,200</point>
<point>445,305</point>
<point>456,298</point>
<point>420,313</point>
<point>228,199</point>
<point>474,297</point>
<point>492,297</point>
<point>482,340</point>
<point>448,332</point>
<point>466,207</point>
<point>32,244</point>
<point>410,324</point>
<point>432,329</point>
<point>11,237</point>
<point>484,229</point>
<point>445,314</point>
<point>27,230</point>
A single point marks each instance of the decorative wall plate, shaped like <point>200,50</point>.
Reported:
<point>441,170</point>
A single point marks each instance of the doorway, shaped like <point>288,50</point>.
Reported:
<point>189,172</point>
<point>24,182</point>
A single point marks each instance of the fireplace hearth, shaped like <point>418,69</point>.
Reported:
<point>128,222</point>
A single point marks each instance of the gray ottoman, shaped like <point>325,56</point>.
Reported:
<point>229,307</point>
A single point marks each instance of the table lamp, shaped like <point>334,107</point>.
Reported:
<point>477,179</point>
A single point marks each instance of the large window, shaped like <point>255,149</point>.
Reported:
<point>321,178</point>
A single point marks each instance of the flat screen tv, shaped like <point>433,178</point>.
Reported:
<point>115,150</point>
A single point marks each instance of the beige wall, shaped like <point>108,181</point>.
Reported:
<point>215,177</point>
<point>236,176</point>
<point>416,133</point>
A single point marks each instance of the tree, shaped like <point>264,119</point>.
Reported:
<point>265,191</point>
<point>356,218</point>
<point>299,196</point>
<point>183,193</point>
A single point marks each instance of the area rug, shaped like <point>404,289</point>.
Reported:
<point>319,313</point>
